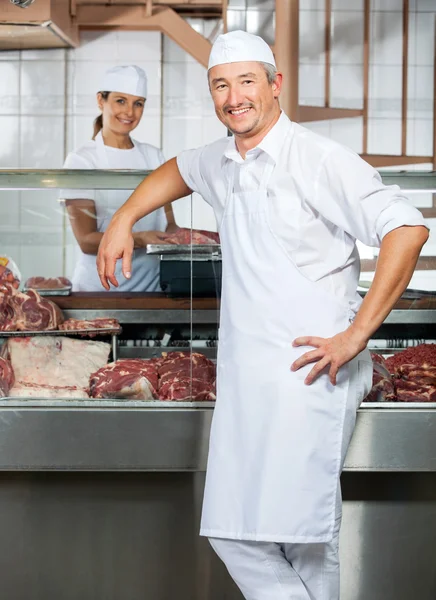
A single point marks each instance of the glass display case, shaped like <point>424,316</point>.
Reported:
<point>121,453</point>
<point>49,224</point>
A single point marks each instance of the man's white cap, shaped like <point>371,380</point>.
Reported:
<point>126,80</point>
<point>240,46</point>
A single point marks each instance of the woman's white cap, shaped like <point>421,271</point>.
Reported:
<point>126,80</point>
<point>240,46</point>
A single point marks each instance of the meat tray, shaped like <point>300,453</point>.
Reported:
<point>58,292</point>
<point>81,332</point>
<point>184,249</point>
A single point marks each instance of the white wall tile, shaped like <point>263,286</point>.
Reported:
<point>181,133</point>
<point>9,142</point>
<point>9,92</point>
<point>312,47</point>
<point>95,45</point>
<point>185,90</point>
<point>311,85</point>
<point>356,5</point>
<point>213,129</point>
<point>424,89</point>
<point>236,20</point>
<point>386,38</point>
<point>346,86</point>
<point>412,38</point>
<point>348,132</point>
<point>79,131</point>
<point>148,130</point>
<point>134,46</point>
<point>42,142</point>
<point>312,4</point>
<point>385,91</point>
<point>173,53</point>
<point>45,54</point>
<point>42,87</point>
<point>425,39</point>
<point>212,28</point>
<point>320,127</point>
<point>347,37</point>
<point>425,6</point>
<point>261,4</point>
<point>421,143</point>
<point>261,22</point>
<point>9,55</point>
<point>390,5</point>
<point>384,136</point>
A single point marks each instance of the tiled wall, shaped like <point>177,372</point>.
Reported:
<point>47,104</point>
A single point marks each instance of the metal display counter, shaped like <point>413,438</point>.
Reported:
<point>101,500</point>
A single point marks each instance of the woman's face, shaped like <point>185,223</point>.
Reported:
<point>121,112</point>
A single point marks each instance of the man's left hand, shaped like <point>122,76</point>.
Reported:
<point>334,351</point>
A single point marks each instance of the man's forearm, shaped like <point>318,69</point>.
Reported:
<point>396,263</point>
<point>161,187</point>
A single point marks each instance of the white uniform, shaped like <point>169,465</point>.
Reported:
<point>95,155</point>
<point>288,219</point>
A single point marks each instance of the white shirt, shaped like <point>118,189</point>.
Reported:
<point>323,197</point>
<point>95,155</point>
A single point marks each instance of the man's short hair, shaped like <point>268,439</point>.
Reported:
<point>271,72</point>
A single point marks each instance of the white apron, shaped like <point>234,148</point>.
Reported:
<point>145,269</point>
<point>276,445</point>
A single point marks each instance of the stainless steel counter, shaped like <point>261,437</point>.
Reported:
<point>118,436</point>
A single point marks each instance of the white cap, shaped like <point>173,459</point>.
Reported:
<point>126,80</point>
<point>240,46</point>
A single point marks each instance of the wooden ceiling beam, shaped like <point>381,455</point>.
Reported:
<point>325,113</point>
<point>165,20</point>
<point>390,160</point>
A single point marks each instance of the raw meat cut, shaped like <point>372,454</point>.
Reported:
<point>184,376</point>
<point>56,361</point>
<point>29,390</point>
<point>415,383</point>
<point>48,283</point>
<point>6,276</point>
<point>185,236</point>
<point>100,323</point>
<point>7,378</point>
<point>416,355</point>
<point>28,312</point>
<point>185,389</point>
<point>130,379</point>
<point>383,389</point>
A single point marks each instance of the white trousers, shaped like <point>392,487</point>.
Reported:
<point>276,571</point>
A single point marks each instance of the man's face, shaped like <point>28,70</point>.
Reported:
<point>244,100</point>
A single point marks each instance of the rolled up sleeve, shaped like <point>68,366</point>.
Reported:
<point>351,194</point>
<point>189,163</point>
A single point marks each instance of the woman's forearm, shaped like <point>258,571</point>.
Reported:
<point>396,263</point>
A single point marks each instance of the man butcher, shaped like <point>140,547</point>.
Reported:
<point>292,363</point>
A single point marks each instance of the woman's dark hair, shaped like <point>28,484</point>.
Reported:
<point>98,122</point>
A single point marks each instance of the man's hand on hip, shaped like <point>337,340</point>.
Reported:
<point>330,352</point>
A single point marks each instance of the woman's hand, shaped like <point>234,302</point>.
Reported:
<point>333,352</point>
<point>143,238</point>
